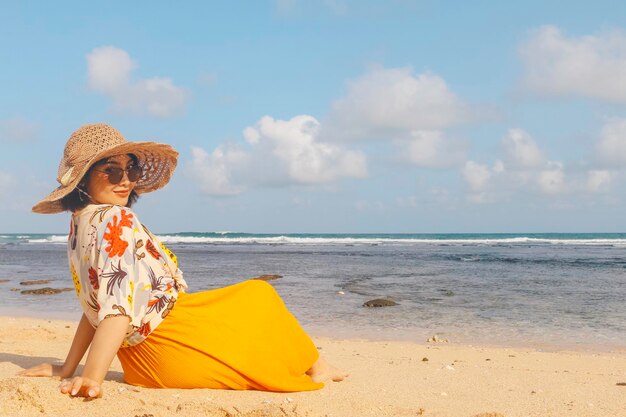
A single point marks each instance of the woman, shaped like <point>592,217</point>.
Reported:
<point>132,292</point>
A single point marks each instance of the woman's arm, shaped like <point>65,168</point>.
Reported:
<point>82,340</point>
<point>106,342</point>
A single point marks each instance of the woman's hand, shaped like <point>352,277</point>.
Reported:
<point>46,369</point>
<point>80,386</point>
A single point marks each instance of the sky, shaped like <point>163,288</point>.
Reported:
<point>328,116</point>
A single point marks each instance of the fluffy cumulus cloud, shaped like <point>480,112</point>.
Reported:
<point>18,130</point>
<point>278,153</point>
<point>522,169</point>
<point>476,175</point>
<point>590,66</point>
<point>521,150</point>
<point>308,161</point>
<point>109,73</point>
<point>431,149</point>
<point>213,170</point>
<point>386,102</point>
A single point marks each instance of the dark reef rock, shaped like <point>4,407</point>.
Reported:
<point>267,277</point>
<point>45,291</point>
<point>380,302</point>
<point>35,282</point>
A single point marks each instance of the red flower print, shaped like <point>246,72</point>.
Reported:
<point>145,329</point>
<point>93,278</point>
<point>153,250</point>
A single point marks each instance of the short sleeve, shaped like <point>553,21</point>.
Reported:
<point>123,285</point>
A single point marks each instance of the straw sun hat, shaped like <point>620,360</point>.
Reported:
<point>91,143</point>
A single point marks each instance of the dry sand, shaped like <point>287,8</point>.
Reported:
<point>387,379</point>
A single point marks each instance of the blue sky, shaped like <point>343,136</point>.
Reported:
<point>329,115</point>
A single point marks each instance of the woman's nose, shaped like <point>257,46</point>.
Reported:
<point>125,180</point>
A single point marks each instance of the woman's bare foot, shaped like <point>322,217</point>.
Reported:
<point>323,371</point>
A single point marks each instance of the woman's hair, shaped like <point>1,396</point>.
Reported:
<point>76,200</point>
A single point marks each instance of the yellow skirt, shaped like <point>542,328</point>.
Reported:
<point>237,337</point>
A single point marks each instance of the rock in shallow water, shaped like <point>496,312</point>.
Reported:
<point>35,282</point>
<point>436,339</point>
<point>45,291</point>
<point>267,277</point>
<point>380,302</point>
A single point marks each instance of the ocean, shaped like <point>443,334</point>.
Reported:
<point>548,291</point>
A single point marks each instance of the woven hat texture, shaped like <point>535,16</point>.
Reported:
<point>91,143</point>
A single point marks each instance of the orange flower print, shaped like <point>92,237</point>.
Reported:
<point>117,245</point>
<point>153,250</point>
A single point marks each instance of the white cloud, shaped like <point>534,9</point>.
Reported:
<point>213,171</point>
<point>599,181</point>
<point>476,175</point>
<point>385,102</point>
<point>521,149</point>
<point>109,73</point>
<point>18,130</point>
<point>280,153</point>
<point>523,170</point>
<point>431,149</point>
<point>308,161</point>
<point>109,69</point>
<point>611,146</point>
<point>552,179</point>
<point>590,66</point>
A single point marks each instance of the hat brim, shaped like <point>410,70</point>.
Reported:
<point>158,161</point>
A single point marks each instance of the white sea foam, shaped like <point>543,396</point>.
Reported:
<point>293,240</point>
<point>50,239</point>
<point>225,238</point>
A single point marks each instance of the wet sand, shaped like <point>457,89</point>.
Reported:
<point>386,379</point>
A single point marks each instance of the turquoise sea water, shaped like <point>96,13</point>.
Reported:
<point>559,290</point>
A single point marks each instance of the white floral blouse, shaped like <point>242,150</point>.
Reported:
<point>120,268</point>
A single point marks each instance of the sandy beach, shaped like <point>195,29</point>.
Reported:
<point>386,379</point>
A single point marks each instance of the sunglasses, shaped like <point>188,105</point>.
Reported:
<point>115,175</point>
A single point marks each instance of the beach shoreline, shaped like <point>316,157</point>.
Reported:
<point>387,378</point>
<point>376,334</point>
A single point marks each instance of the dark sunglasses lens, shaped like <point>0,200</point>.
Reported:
<point>134,174</point>
<point>115,175</point>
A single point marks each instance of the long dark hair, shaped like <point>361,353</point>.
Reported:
<point>75,200</point>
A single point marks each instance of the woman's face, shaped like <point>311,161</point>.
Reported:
<point>100,188</point>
